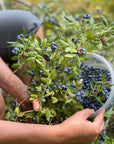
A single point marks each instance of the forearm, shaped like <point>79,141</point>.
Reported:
<point>16,133</point>
<point>11,83</point>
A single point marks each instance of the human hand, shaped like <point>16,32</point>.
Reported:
<point>78,130</point>
<point>25,103</point>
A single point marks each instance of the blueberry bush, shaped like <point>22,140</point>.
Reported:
<point>66,84</point>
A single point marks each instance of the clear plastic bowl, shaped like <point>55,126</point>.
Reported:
<point>98,61</point>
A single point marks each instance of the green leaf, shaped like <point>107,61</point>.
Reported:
<point>100,46</point>
<point>91,22</point>
<point>68,49</point>
<point>38,63</point>
<point>48,115</point>
<point>39,40</point>
<point>78,62</point>
<point>63,42</point>
<point>48,94</point>
<point>54,100</point>
<point>98,88</point>
<point>109,113</point>
<point>15,65</point>
<point>20,45</point>
<point>91,86</point>
<point>32,53</point>
<point>69,100</point>
<point>14,58</point>
<point>70,55</point>
<point>29,60</point>
<point>7,116</point>
<point>44,42</point>
<point>17,110</point>
<point>44,79</point>
<point>69,19</point>
<point>104,20</point>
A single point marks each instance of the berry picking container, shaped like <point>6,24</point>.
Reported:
<point>98,61</point>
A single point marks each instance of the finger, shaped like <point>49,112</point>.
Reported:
<point>36,105</point>
<point>99,119</point>
<point>102,127</point>
<point>86,113</point>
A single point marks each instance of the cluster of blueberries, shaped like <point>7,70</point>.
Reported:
<point>15,51</point>
<point>68,70</point>
<point>54,22</point>
<point>20,36</point>
<point>81,51</point>
<point>74,41</point>
<point>87,16</point>
<point>89,76</point>
<point>53,46</point>
<point>31,73</point>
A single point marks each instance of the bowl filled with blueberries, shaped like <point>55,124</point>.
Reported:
<point>98,83</point>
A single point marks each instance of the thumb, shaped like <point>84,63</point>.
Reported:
<point>86,113</point>
<point>36,105</point>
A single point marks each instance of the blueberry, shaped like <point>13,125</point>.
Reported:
<point>77,18</point>
<point>32,81</point>
<point>104,132</point>
<point>57,84</point>
<point>53,44</point>
<point>28,72</point>
<point>82,49</point>
<point>34,119</point>
<point>73,39</point>
<point>54,86</point>
<point>47,89</point>
<point>101,142</point>
<point>41,46</point>
<point>43,100</point>
<point>78,52</point>
<point>69,68</point>
<point>16,49</point>
<point>65,70</point>
<point>84,16</point>
<point>51,21</point>
<point>44,6</point>
<point>83,20</point>
<point>88,16</point>
<point>21,35</point>
<point>13,104</point>
<point>31,90</point>
<point>18,37</point>
<point>63,87</point>
<point>78,93</point>
<point>32,73</point>
<point>75,42</point>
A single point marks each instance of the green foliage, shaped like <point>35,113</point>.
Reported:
<point>97,36</point>
<point>58,101</point>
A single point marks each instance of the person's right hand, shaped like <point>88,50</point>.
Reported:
<point>78,130</point>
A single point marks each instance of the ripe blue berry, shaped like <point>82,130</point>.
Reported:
<point>34,119</point>
<point>43,100</point>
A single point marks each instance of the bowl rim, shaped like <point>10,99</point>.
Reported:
<point>110,101</point>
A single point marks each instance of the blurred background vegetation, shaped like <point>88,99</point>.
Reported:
<point>48,10</point>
